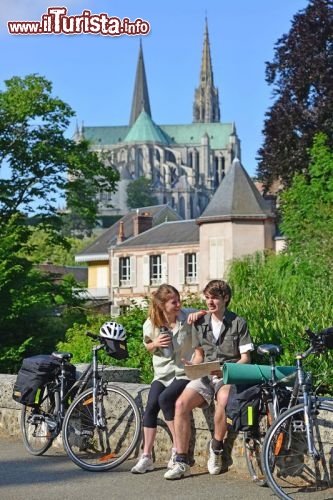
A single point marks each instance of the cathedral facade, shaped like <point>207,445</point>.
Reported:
<point>185,163</point>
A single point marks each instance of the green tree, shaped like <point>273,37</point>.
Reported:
<point>140,193</point>
<point>302,78</point>
<point>44,168</point>
<point>42,250</point>
<point>36,309</point>
<point>39,166</point>
<point>307,208</point>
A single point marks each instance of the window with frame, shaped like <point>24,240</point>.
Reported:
<point>155,269</point>
<point>124,271</point>
<point>191,268</point>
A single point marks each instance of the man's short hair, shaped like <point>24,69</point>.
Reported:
<point>218,288</point>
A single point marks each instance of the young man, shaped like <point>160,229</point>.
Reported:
<point>218,335</point>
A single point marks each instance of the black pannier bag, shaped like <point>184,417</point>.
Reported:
<point>33,375</point>
<point>116,348</point>
<point>243,407</point>
<point>70,374</point>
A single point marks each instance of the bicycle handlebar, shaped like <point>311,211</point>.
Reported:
<point>93,336</point>
<point>318,341</point>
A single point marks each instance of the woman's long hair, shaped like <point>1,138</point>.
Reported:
<point>159,298</point>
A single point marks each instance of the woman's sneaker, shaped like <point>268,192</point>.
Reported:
<point>144,464</point>
<point>172,460</point>
<point>179,470</point>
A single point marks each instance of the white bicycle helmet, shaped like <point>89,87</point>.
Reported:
<point>113,331</point>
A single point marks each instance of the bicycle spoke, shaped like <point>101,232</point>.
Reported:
<point>37,424</point>
<point>291,471</point>
<point>109,443</point>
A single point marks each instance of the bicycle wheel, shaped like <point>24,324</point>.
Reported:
<point>38,423</point>
<point>253,442</point>
<point>289,469</point>
<point>102,447</point>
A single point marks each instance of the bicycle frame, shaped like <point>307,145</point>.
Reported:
<point>296,453</point>
<point>303,384</point>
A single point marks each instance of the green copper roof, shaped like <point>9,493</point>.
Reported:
<point>191,134</point>
<point>102,136</point>
<point>218,133</point>
<point>145,130</point>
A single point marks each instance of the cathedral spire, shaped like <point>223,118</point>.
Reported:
<point>206,108</point>
<point>140,99</point>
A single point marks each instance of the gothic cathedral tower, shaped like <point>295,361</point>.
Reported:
<point>185,163</point>
<point>206,108</point>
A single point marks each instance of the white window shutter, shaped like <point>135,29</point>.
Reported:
<point>145,270</point>
<point>181,268</point>
<point>212,258</point>
<point>198,267</point>
<point>164,262</point>
<point>115,272</point>
<point>216,258</point>
<point>133,270</point>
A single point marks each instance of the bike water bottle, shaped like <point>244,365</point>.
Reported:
<point>167,351</point>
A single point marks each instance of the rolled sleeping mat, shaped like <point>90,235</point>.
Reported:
<point>239,373</point>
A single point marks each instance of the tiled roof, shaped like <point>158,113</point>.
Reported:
<point>236,196</point>
<point>169,233</point>
<point>80,273</point>
<point>98,250</point>
<point>218,133</point>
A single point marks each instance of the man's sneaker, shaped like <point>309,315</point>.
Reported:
<point>172,460</point>
<point>214,463</point>
<point>179,470</point>
<point>144,464</point>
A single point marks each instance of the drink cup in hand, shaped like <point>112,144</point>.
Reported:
<point>167,351</point>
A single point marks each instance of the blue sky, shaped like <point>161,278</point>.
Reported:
<point>95,74</point>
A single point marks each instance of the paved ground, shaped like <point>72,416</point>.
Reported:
<point>55,477</point>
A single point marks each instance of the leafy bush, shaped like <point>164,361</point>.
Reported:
<point>80,345</point>
<point>280,297</point>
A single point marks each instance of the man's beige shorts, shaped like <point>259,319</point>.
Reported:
<point>207,387</point>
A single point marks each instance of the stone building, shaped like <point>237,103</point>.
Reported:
<point>153,246</point>
<point>185,162</point>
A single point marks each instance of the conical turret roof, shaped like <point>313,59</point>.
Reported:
<point>236,197</point>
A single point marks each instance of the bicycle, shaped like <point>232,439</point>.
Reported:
<point>100,424</point>
<point>275,397</point>
<point>297,454</point>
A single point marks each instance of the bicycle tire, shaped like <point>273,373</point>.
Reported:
<point>253,442</point>
<point>102,448</point>
<point>36,433</point>
<point>289,470</point>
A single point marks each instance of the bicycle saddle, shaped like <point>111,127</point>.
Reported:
<point>271,349</point>
<point>62,355</point>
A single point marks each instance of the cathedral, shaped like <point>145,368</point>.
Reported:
<point>185,163</point>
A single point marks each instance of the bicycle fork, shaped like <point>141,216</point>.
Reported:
<point>99,419</point>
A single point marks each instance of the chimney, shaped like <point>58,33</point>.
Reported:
<point>121,235</point>
<point>142,222</point>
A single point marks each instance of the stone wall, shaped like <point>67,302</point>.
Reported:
<point>202,422</point>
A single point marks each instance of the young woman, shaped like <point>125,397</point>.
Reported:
<point>168,349</point>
